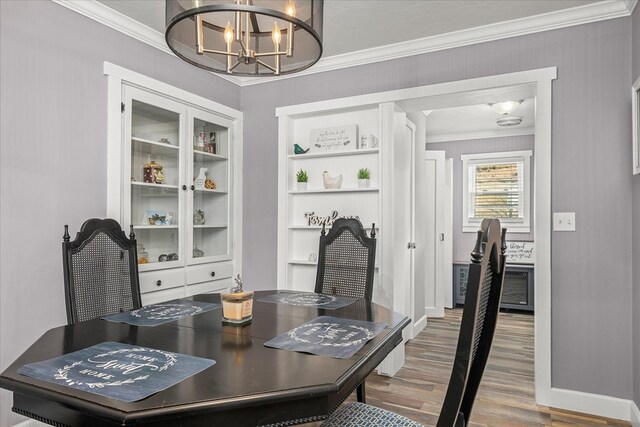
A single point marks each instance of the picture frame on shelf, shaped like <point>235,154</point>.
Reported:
<point>155,217</point>
<point>335,138</point>
<point>635,108</point>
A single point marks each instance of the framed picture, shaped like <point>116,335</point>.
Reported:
<point>155,217</point>
<point>334,138</point>
<point>519,252</point>
<point>635,108</point>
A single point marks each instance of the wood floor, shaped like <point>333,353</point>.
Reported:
<point>506,395</point>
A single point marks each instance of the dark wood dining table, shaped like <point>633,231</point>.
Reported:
<point>250,384</point>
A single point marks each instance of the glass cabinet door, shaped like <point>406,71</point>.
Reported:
<point>209,153</point>
<point>155,127</point>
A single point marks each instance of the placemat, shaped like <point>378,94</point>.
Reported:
<point>308,299</point>
<point>157,314</point>
<point>116,370</point>
<point>328,336</point>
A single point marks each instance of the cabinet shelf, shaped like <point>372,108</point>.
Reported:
<point>203,156</point>
<point>155,148</point>
<point>150,185</point>
<point>210,226</point>
<point>337,190</point>
<point>210,191</point>
<point>153,227</point>
<point>334,154</point>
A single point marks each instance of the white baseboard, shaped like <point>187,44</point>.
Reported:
<point>592,404</point>
<point>418,326</point>
<point>635,415</point>
<point>434,312</point>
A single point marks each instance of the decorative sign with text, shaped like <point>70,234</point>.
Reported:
<point>306,299</point>
<point>116,370</point>
<point>315,219</point>
<point>521,252</point>
<point>334,138</point>
<point>328,336</point>
<point>157,314</point>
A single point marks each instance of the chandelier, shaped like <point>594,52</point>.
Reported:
<point>246,37</point>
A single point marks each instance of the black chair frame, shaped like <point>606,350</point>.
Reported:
<point>89,230</point>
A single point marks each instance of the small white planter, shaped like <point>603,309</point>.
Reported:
<point>301,186</point>
<point>363,183</point>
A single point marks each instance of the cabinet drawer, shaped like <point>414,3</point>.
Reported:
<point>209,287</point>
<point>159,280</point>
<point>162,296</point>
<point>208,272</point>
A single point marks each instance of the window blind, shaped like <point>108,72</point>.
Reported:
<point>496,189</point>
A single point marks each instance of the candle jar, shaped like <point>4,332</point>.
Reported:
<point>143,256</point>
<point>237,307</point>
<point>153,173</point>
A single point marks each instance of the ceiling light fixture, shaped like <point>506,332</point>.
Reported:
<point>509,121</point>
<point>505,107</point>
<point>246,37</point>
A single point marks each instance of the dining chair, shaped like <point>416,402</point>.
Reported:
<point>346,262</point>
<point>479,317</point>
<point>100,271</point>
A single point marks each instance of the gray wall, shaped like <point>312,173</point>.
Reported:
<point>53,152</point>
<point>464,242</point>
<point>635,73</point>
<point>591,268</point>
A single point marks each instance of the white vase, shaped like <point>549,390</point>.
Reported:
<point>363,183</point>
<point>302,186</point>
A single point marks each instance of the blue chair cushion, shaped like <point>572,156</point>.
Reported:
<point>361,415</point>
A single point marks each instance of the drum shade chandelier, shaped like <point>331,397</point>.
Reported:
<point>246,37</point>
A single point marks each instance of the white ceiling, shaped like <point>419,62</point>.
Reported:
<point>355,25</point>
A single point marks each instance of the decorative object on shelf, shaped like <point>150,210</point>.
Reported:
<point>165,141</point>
<point>313,257</point>
<point>368,141</point>
<point>209,184</point>
<point>168,220</point>
<point>198,217</point>
<point>172,257</point>
<point>302,179</point>
<point>335,138</point>
<point>237,306</point>
<point>197,253</point>
<point>313,219</point>
<point>163,258</point>
<point>153,173</point>
<point>330,181</point>
<point>297,149</point>
<point>154,217</point>
<point>201,139</point>
<point>143,256</point>
<point>211,146</point>
<point>198,183</point>
<point>241,45</point>
<point>363,177</point>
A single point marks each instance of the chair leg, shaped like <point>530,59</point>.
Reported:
<point>361,395</point>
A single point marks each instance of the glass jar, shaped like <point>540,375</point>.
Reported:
<point>152,173</point>
<point>143,256</point>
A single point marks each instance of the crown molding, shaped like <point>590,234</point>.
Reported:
<point>592,12</point>
<point>467,136</point>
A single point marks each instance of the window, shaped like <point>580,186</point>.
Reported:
<point>497,185</point>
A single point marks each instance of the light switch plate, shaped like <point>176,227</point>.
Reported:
<point>564,221</point>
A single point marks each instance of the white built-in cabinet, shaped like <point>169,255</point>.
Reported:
<point>384,127</point>
<point>188,231</point>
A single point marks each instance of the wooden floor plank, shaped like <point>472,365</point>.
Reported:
<point>506,396</point>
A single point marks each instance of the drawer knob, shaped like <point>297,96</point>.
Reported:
<point>213,274</point>
<point>159,283</point>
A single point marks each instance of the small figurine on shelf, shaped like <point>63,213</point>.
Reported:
<point>197,253</point>
<point>209,184</point>
<point>198,217</point>
<point>297,149</point>
<point>200,180</point>
<point>330,181</point>
<point>153,173</point>
<point>168,220</point>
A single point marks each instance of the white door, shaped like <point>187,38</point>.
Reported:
<point>432,215</point>
<point>448,234</point>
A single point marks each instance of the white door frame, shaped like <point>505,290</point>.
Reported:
<point>542,79</point>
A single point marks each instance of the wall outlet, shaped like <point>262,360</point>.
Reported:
<point>564,221</point>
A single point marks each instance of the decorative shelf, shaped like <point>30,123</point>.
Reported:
<point>203,155</point>
<point>153,227</point>
<point>210,191</point>
<point>155,143</point>
<point>150,185</point>
<point>210,226</point>
<point>155,148</point>
<point>337,190</point>
<point>333,154</point>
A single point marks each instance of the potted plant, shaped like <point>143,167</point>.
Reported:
<point>363,177</point>
<point>301,179</point>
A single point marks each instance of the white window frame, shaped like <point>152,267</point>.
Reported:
<point>470,225</point>
<point>635,108</point>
